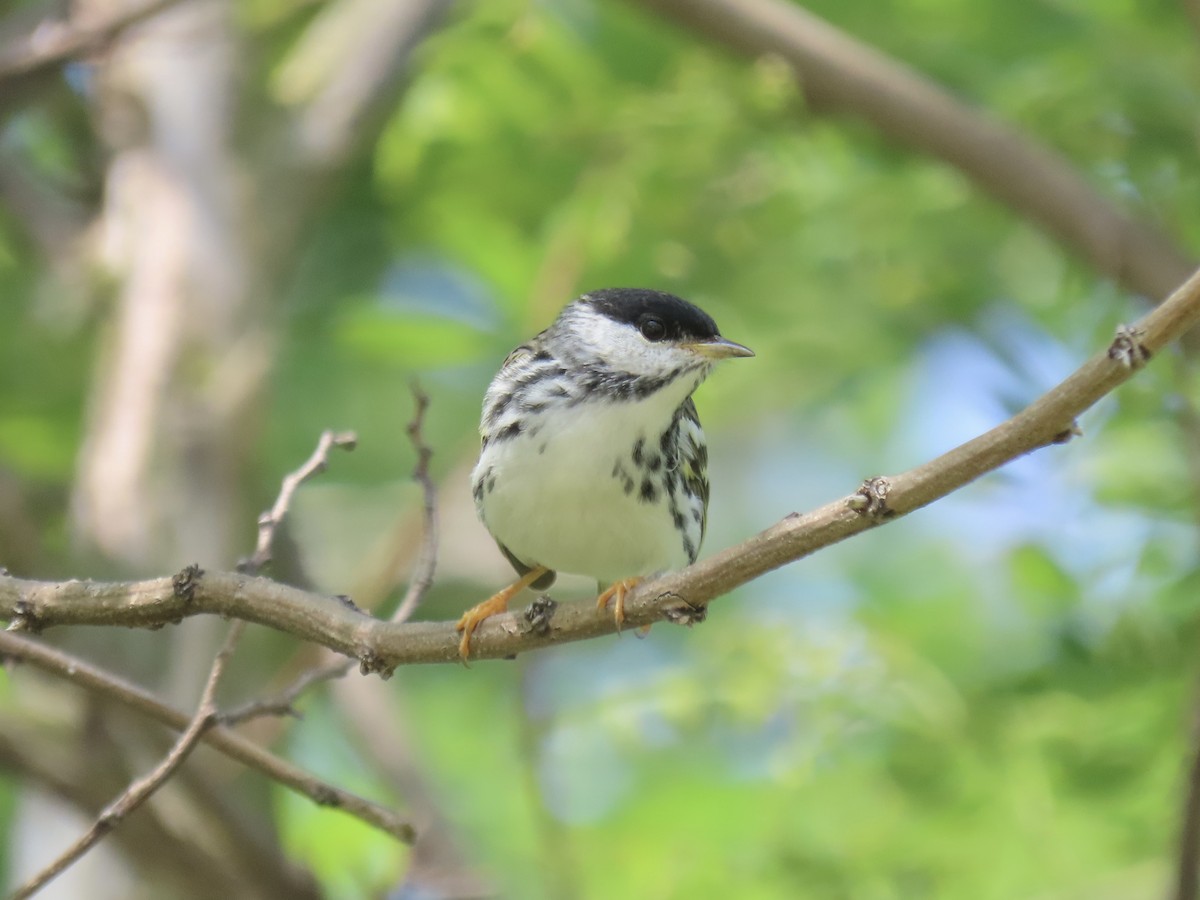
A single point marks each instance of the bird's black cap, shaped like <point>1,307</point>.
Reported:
<point>682,320</point>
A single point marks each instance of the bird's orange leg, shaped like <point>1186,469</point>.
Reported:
<point>617,592</point>
<point>497,603</point>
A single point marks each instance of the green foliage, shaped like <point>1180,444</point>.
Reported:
<point>350,858</point>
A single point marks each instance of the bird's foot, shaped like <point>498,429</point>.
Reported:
<point>616,592</point>
<point>493,605</point>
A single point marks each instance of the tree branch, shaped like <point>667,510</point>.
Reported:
<point>109,685</point>
<point>269,521</point>
<point>220,738</point>
<point>841,74</point>
<point>679,597</point>
<point>422,577</point>
<point>140,791</point>
<point>421,581</point>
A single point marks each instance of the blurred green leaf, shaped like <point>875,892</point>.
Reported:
<point>1039,584</point>
<point>350,858</point>
<point>413,342</point>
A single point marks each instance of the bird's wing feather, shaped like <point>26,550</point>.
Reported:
<point>517,356</point>
<point>694,458</point>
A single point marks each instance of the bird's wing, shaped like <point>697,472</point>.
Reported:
<point>517,356</point>
<point>524,352</point>
<point>522,364</point>
<point>693,457</point>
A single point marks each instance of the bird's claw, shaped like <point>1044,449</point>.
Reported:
<point>472,618</point>
<point>616,593</point>
<point>493,605</point>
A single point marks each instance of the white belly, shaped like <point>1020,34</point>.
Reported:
<point>552,497</point>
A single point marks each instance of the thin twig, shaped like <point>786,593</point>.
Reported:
<point>141,790</point>
<point>283,703</point>
<point>268,526</point>
<point>269,521</point>
<point>423,572</point>
<point>220,738</point>
<point>206,717</point>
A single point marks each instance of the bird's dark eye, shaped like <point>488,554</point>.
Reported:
<point>652,328</point>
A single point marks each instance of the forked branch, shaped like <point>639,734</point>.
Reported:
<point>140,791</point>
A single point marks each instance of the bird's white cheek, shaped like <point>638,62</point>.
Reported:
<point>624,349</point>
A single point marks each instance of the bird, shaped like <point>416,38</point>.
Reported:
<point>592,458</point>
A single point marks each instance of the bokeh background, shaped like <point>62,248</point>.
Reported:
<point>232,225</point>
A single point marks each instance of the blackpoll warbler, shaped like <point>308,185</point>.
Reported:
<point>593,459</point>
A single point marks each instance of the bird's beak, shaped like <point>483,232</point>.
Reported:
<point>719,348</point>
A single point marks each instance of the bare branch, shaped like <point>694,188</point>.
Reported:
<point>423,572</point>
<point>283,703</point>
<point>843,75</point>
<point>679,596</point>
<point>141,790</point>
<point>269,521</point>
<point>220,738</point>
